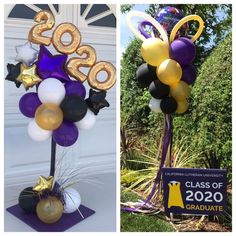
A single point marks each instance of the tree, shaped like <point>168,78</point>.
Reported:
<point>126,7</point>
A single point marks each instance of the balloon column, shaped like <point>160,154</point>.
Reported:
<point>167,72</point>
<point>59,107</point>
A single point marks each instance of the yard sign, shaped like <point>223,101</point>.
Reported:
<point>194,191</point>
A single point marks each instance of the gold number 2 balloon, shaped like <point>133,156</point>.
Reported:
<point>46,22</point>
<point>74,64</point>
<point>111,76</point>
<point>57,38</point>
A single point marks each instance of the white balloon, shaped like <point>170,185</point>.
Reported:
<point>51,90</point>
<point>72,200</point>
<point>155,105</point>
<point>37,133</point>
<point>87,122</point>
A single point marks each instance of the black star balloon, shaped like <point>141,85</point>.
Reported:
<point>96,101</point>
<point>13,73</point>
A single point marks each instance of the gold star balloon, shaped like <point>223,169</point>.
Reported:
<point>28,76</point>
<point>44,183</point>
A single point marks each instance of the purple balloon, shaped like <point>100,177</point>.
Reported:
<point>50,66</point>
<point>183,51</point>
<point>29,103</point>
<point>141,29</point>
<point>75,88</point>
<point>66,135</point>
<point>189,74</point>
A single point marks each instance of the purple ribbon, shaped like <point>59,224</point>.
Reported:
<point>166,142</point>
<point>141,26</point>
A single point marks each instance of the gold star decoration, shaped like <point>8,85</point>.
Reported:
<point>28,76</point>
<point>44,183</point>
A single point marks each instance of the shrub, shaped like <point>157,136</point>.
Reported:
<point>128,177</point>
<point>208,124</point>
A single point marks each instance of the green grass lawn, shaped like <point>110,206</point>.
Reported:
<point>137,222</point>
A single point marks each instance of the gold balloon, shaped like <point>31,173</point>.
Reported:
<point>75,63</point>
<point>180,91</point>
<point>169,72</point>
<point>46,21</point>
<point>48,116</point>
<point>49,210</point>
<point>57,38</point>
<point>28,76</point>
<point>182,106</point>
<point>44,183</point>
<point>154,51</point>
<point>111,75</point>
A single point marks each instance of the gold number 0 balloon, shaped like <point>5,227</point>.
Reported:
<point>75,38</point>
<point>183,21</point>
<point>46,21</point>
<point>75,63</point>
<point>111,75</point>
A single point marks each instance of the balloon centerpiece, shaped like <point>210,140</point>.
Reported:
<point>167,72</point>
<point>58,109</point>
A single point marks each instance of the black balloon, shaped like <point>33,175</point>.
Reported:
<point>96,101</point>
<point>28,199</point>
<point>74,108</point>
<point>168,105</point>
<point>145,74</point>
<point>13,73</point>
<point>159,90</point>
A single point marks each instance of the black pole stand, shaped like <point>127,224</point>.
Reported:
<point>53,157</point>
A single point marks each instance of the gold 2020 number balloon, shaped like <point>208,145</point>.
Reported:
<point>111,76</point>
<point>49,210</point>
<point>74,64</point>
<point>75,38</point>
<point>46,21</point>
<point>48,116</point>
